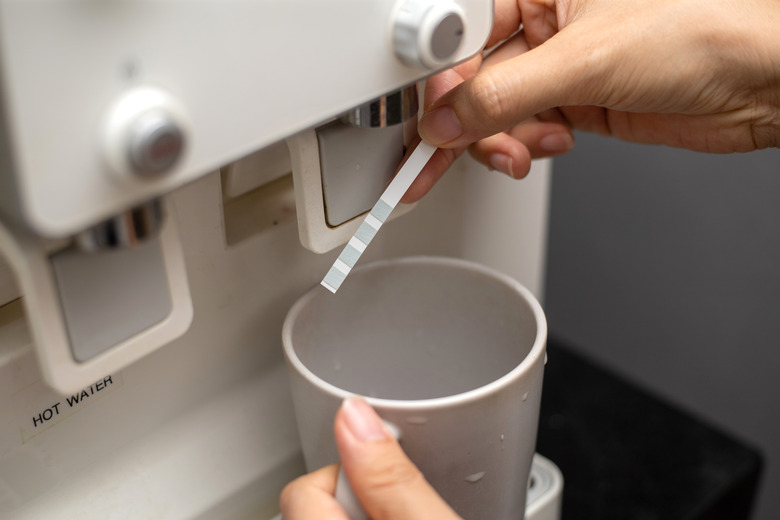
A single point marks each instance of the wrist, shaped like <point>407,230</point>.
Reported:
<point>764,69</point>
<point>730,67</point>
<point>774,96</point>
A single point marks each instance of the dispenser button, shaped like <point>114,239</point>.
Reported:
<point>145,134</point>
<point>356,165</point>
<point>110,296</point>
<point>155,144</point>
<point>428,33</point>
<point>446,37</point>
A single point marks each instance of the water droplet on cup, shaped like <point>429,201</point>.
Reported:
<point>502,437</point>
<point>337,366</point>
<point>475,477</point>
<point>525,396</point>
<point>417,420</point>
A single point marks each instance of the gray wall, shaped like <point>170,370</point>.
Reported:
<point>665,266</point>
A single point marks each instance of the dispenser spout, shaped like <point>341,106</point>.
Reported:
<point>391,109</point>
<point>127,229</point>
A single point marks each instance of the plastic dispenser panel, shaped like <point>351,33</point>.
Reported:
<point>119,62</point>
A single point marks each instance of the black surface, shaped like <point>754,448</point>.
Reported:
<point>626,454</point>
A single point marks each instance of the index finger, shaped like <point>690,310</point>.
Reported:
<point>506,21</point>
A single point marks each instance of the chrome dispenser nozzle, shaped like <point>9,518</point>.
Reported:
<point>124,230</point>
<point>391,109</point>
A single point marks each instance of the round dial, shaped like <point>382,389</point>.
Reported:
<point>428,33</point>
<point>154,143</point>
<point>145,135</point>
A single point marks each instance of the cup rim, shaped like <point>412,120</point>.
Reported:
<point>534,355</point>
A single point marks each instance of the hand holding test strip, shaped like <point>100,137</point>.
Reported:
<point>377,216</point>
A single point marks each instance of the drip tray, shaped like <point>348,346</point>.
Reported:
<point>545,491</point>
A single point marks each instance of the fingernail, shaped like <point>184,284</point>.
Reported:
<point>556,143</point>
<point>362,420</point>
<point>502,163</point>
<point>440,126</point>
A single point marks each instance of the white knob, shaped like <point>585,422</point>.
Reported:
<point>428,33</point>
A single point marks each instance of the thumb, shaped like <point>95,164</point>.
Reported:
<point>388,484</point>
<point>504,94</point>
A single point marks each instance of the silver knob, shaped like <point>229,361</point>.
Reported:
<point>389,110</point>
<point>145,134</point>
<point>155,144</point>
<point>428,33</point>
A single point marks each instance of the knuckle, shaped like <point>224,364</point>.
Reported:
<point>289,494</point>
<point>449,156</point>
<point>488,98</point>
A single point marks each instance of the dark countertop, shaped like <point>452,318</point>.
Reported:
<point>628,455</point>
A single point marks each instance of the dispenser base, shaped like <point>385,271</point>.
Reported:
<point>545,491</point>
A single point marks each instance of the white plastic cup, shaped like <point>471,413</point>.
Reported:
<point>450,352</point>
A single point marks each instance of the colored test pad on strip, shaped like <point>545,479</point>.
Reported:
<point>377,216</point>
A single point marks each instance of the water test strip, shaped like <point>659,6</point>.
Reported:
<point>377,216</point>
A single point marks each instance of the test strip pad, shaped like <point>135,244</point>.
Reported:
<point>377,216</point>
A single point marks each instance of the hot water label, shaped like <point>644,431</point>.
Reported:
<point>38,408</point>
